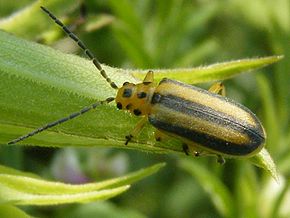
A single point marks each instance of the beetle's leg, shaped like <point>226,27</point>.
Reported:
<point>197,153</point>
<point>220,159</point>
<point>149,78</point>
<point>191,149</point>
<point>136,130</point>
<point>185,149</point>
<point>218,88</point>
<point>160,136</point>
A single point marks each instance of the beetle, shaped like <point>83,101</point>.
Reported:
<point>205,121</point>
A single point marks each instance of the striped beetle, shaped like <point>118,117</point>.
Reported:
<point>206,122</point>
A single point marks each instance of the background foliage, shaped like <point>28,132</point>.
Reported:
<point>158,34</point>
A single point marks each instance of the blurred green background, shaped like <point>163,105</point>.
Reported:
<point>168,34</point>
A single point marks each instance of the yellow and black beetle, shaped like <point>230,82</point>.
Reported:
<point>206,122</point>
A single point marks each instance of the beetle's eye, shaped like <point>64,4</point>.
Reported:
<point>141,95</point>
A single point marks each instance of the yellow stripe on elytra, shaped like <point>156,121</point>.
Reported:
<point>216,104</point>
<point>198,124</point>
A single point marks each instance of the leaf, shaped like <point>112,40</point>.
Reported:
<point>11,196</point>
<point>218,192</point>
<point>264,160</point>
<point>219,71</point>
<point>8,211</point>
<point>23,190</point>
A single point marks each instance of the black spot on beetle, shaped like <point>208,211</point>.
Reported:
<point>125,83</point>
<point>137,112</point>
<point>146,83</point>
<point>156,98</point>
<point>128,106</point>
<point>127,93</point>
<point>119,105</point>
<point>141,94</point>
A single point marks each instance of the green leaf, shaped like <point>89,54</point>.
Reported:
<point>40,85</point>
<point>264,160</point>
<point>8,211</point>
<point>24,190</point>
<point>12,196</point>
<point>218,192</point>
<point>219,71</point>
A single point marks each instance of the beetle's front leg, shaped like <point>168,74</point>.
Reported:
<point>136,130</point>
<point>149,78</point>
<point>220,159</point>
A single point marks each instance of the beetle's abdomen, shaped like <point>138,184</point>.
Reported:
<point>211,121</point>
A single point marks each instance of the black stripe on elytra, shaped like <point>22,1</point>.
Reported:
<point>208,141</point>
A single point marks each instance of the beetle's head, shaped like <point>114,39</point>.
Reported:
<point>135,98</point>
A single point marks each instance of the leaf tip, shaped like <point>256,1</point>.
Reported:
<point>264,160</point>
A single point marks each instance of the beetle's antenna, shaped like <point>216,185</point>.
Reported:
<point>62,120</point>
<point>82,46</point>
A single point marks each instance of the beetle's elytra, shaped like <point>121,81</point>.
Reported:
<point>205,119</point>
<point>206,122</point>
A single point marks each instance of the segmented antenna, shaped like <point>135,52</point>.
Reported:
<point>62,120</point>
<point>82,46</point>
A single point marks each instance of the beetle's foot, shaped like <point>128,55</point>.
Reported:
<point>185,149</point>
<point>128,139</point>
<point>220,160</point>
<point>197,154</point>
<point>160,136</point>
<point>158,139</point>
